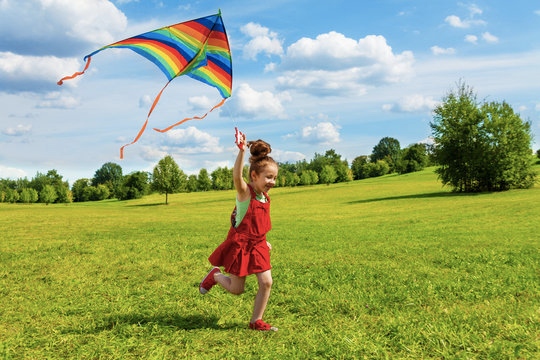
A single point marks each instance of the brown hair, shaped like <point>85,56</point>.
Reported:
<point>259,158</point>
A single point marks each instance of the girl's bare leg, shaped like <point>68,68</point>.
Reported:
<point>261,299</point>
<point>232,283</point>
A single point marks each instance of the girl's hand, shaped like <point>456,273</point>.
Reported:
<point>269,245</point>
<point>240,139</point>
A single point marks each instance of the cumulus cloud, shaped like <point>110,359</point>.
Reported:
<point>332,64</point>
<point>190,141</point>
<point>39,36</point>
<point>470,21</point>
<point>287,156</point>
<point>66,26</point>
<point>32,73</point>
<point>262,41</point>
<point>473,39</point>
<point>323,133</point>
<point>248,102</point>
<point>490,38</point>
<point>436,50</point>
<point>200,102</point>
<point>412,103</point>
<point>11,173</point>
<point>57,100</point>
<point>18,130</point>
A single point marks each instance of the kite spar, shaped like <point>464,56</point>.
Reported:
<point>197,48</point>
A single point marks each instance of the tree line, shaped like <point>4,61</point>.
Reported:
<point>109,182</point>
<point>478,146</point>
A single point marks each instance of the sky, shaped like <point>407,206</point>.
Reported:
<point>308,76</point>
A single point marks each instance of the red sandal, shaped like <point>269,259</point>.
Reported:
<point>262,326</point>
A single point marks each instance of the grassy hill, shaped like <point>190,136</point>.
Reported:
<point>392,267</point>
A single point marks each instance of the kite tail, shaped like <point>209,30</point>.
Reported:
<point>143,128</point>
<point>192,118</point>
<point>61,81</point>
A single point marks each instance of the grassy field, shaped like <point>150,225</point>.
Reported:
<point>388,268</point>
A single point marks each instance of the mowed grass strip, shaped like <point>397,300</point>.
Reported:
<point>392,267</point>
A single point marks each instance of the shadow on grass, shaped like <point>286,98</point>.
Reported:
<point>148,205</point>
<point>174,321</point>
<point>415,196</point>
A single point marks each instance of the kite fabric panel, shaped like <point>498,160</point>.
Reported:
<point>197,48</point>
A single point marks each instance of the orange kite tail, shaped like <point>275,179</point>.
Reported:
<point>192,118</point>
<point>156,100</point>
<point>61,81</point>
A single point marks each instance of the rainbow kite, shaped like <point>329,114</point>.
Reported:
<point>197,48</point>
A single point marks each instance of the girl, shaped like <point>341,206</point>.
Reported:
<point>246,251</point>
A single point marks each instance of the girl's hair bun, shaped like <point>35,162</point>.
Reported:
<point>259,149</point>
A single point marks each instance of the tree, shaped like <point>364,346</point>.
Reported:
<point>204,183</point>
<point>389,150</point>
<point>28,196</point>
<point>222,179</point>
<point>480,147</point>
<point>110,174</point>
<point>48,194</point>
<point>167,177</point>
<point>78,188</point>
<point>134,186</point>
<point>359,168</point>
<point>377,168</point>
<point>328,175</point>
<point>413,158</point>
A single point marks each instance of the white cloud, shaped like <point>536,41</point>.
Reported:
<point>287,156</point>
<point>492,39</point>
<point>332,64</point>
<point>473,39</point>
<point>249,102</point>
<point>18,130</point>
<point>412,103</point>
<point>474,10</point>
<point>190,141</point>
<point>436,50</point>
<point>324,133</point>
<point>11,173</point>
<point>65,26</point>
<point>457,22</point>
<point>57,100</point>
<point>262,41</point>
<point>145,101</point>
<point>200,102</point>
<point>26,73</point>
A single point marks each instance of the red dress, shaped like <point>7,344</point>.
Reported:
<point>245,251</point>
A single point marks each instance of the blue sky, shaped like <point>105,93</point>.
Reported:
<point>307,77</point>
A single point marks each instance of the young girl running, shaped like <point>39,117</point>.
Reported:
<point>246,251</point>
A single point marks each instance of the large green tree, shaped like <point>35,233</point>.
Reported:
<point>389,150</point>
<point>110,175</point>
<point>480,146</point>
<point>134,186</point>
<point>167,177</point>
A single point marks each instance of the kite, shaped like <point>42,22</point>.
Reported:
<point>197,48</point>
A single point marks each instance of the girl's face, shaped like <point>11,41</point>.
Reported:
<point>266,180</point>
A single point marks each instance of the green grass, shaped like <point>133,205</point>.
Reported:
<point>394,267</point>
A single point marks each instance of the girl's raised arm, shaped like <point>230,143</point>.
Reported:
<point>239,183</point>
